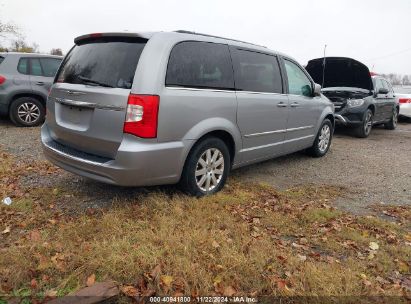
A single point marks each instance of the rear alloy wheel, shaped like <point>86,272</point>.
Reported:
<point>27,112</point>
<point>323,140</point>
<point>206,168</point>
<point>364,130</point>
<point>392,124</point>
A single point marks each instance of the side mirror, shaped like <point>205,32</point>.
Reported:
<point>317,89</point>
<point>383,91</point>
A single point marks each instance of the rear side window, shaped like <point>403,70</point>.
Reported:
<point>36,69</point>
<point>298,82</point>
<point>198,64</point>
<point>103,61</point>
<point>49,66</point>
<point>23,65</point>
<point>257,72</point>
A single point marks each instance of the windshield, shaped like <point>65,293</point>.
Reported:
<point>109,62</point>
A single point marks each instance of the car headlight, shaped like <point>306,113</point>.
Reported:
<point>355,102</point>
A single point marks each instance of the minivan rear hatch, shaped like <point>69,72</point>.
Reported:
<point>87,103</point>
<point>337,72</point>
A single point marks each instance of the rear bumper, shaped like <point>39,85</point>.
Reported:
<point>4,105</point>
<point>136,163</point>
<point>405,109</point>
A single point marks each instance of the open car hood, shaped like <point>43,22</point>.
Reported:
<point>340,72</point>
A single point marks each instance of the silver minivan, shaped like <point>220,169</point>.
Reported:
<point>139,109</point>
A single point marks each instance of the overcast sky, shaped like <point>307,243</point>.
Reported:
<point>376,32</point>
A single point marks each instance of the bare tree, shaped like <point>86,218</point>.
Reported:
<point>9,29</point>
<point>405,80</point>
<point>56,52</point>
<point>21,46</point>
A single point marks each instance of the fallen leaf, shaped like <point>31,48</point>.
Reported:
<point>129,291</point>
<point>229,291</point>
<point>5,231</point>
<point>215,244</point>
<point>403,267</point>
<point>156,271</point>
<point>217,280</point>
<point>282,284</point>
<point>166,280</point>
<point>91,280</point>
<point>374,246</point>
<point>255,234</point>
<point>35,235</point>
<point>33,283</point>
<point>302,258</point>
<point>50,293</point>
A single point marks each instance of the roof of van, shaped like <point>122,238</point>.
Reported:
<point>183,33</point>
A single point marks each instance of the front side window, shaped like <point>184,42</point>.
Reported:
<point>378,85</point>
<point>35,67</point>
<point>50,66</point>
<point>22,66</point>
<point>257,72</point>
<point>388,86</point>
<point>200,65</point>
<point>298,82</point>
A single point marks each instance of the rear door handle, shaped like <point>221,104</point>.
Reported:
<point>294,104</point>
<point>40,83</point>
<point>281,104</point>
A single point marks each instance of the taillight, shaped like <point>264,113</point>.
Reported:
<point>405,100</point>
<point>2,79</point>
<point>142,115</point>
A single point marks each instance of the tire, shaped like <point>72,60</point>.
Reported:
<point>323,139</point>
<point>210,182</point>
<point>34,109</point>
<point>392,124</point>
<point>364,130</point>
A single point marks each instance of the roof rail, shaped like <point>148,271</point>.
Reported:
<point>207,35</point>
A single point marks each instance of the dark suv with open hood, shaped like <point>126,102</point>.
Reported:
<point>360,100</point>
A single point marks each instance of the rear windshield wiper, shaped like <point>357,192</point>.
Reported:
<point>102,84</point>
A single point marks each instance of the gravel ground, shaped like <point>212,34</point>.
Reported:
<point>376,170</point>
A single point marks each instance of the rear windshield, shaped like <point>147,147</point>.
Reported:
<point>107,62</point>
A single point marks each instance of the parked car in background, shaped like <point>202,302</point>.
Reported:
<point>25,80</point>
<point>403,95</point>
<point>360,100</point>
<point>138,109</point>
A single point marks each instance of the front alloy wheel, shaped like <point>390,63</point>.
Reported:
<point>364,129</point>
<point>323,139</point>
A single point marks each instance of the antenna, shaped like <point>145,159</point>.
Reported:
<point>322,85</point>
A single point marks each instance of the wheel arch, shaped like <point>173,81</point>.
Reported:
<point>372,108</point>
<point>39,97</point>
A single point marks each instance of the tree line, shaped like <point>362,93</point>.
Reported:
<point>397,79</point>
<point>18,43</point>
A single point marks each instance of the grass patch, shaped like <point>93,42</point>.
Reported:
<point>246,240</point>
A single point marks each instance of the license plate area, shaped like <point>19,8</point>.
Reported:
<point>72,117</point>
